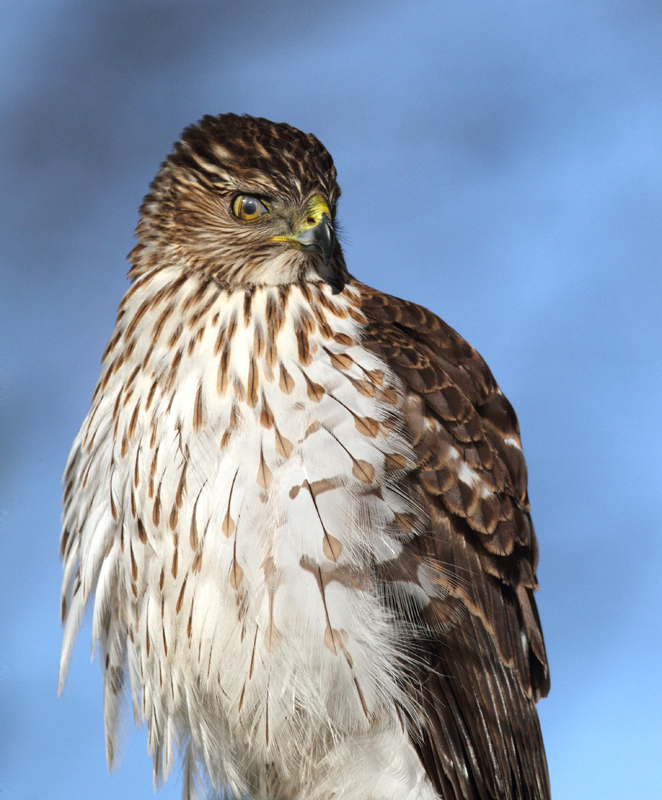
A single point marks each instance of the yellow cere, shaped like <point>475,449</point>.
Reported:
<point>316,209</point>
<point>312,217</point>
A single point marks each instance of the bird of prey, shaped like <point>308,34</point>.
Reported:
<point>298,507</point>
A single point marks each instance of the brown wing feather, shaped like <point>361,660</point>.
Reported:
<point>482,665</point>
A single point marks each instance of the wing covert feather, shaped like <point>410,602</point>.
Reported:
<point>483,664</point>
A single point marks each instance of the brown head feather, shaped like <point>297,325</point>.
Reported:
<point>186,219</point>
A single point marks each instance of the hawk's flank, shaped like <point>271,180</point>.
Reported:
<point>299,507</point>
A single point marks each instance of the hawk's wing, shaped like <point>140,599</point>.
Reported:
<point>483,663</point>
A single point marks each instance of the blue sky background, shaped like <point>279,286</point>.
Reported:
<point>500,163</point>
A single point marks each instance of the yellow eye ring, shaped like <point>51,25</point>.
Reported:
<point>247,207</point>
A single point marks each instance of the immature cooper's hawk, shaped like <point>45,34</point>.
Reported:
<point>301,505</point>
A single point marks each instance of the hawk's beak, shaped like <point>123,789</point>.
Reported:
<point>320,238</point>
<point>315,232</point>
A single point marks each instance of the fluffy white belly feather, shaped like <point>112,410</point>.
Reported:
<point>234,486</point>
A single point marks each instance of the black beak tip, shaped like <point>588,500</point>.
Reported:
<point>325,238</point>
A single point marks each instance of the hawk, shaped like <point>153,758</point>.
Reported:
<point>298,507</point>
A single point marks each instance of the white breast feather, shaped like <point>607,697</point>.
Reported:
<point>230,533</point>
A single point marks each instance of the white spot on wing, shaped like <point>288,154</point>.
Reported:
<point>468,475</point>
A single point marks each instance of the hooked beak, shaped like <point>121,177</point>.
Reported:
<point>320,238</point>
<point>315,233</point>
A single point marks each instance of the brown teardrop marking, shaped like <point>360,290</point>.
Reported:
<point>156,509</point>
<point>394,462</point>
<point>286,383</point>
<point>284,446</point>
<point>181,486</point>
<point>236,574</point>
<point>175,557</point>
<point>314,390</point>
<point>364,388</point>
<point>258,340</point>
<point>227,526</point>
<point>264,475</point>
<point>198,410</point>
<point>363,470</point>
<point>222,377</point>
<point>366,426</point>
<point>303,345</point>
<point>172,373</point>
<point>332,547</point>
<point>266,414</point>
<point>253,381</point>
<point>341,361</point>
<point>180,599</point>
<point>189,624</point>
<point>134,565</point>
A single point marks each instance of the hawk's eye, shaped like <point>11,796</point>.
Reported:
<point>248,207</point>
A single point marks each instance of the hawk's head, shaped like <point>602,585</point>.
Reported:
<point>245,201</point>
